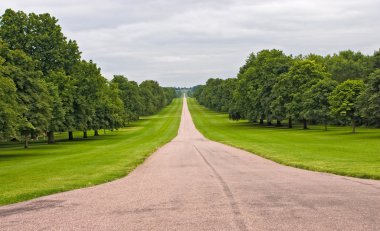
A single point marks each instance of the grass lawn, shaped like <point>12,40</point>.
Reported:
<point>336,150</point>
<point>49,168</point>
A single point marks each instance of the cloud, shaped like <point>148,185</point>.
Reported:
<point>183,43</point>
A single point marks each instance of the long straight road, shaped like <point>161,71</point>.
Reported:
<point>196,184</point>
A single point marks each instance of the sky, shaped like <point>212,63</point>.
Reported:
<point>183,43</point>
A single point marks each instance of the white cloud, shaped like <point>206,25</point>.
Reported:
<point>183,43</point>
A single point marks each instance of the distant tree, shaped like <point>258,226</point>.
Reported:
<point>376,59</point>
<point>249,62</point>
<point>56,122</point>
<point>349,65</point>
<point>109,110</point>
<point>269,65</point>
<point>153,96</point>
<point>89,83</point>
<point>291,86</point>
<point>169,93</point>
<point>197,91</point>
<point>344,101</point>
<point>9,110</point>
<point>316,106</point>
<point>369,101</point>
<point>212,94</point>
<point>66,87</point>
<point>129,94</point>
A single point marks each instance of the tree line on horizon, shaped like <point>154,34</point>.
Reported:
<point>46,87</point>
<point>339,89</point>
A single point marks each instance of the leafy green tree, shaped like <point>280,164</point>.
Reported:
<point>269,65</point>
<point>249,62</point>
<point>240,100</point>
<point>369,101</point>
<point>56,122</point>
<point>255,83</point>
<point>66,87</point>
<point>227,88</point>
<point>131,97</point>
<point>349,65</point>
<point>89,84</point>
<point>211,94</point>
<point>153,96</point>
<point>197,91</point>
<point>41,38</point>
<point>316,105</point>
<point>33,95</point>
<point>289,89</point>
<point>344,101</point>
<point>281,96</point>
<point>109,111</point>
<point>170,94</point>
<point>376,59</point>
<point>9,111</point>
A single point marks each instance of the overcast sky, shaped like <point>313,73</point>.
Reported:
<point>183,43</point>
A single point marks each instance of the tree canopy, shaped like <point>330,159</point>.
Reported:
<point>46,87</point>
<point>271,85</point>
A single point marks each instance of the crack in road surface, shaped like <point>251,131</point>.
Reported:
<point>193,183</point>
<point>235,208</point>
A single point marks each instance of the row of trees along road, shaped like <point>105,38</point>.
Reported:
<point>46,87</point>
<point>271,86</point>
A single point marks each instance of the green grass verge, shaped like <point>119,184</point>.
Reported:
<point>335,151</point>
<point>45,169</point>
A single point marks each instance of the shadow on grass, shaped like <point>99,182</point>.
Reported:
<point>12,156</point>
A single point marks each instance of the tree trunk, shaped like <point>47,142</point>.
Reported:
<point>278,124</point>
<point>71,137</point>
<point>353,125</point>
<point>104,131</point>
<point>261,121</point>
<point>26,145</point>
<point>269,123</point>
<point>304,124</point>
<point>290,123</point>
<point>50,135</point>
<point>325,122</point>
<point>96,133</point>
<point>84,134</point>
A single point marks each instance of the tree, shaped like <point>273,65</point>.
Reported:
<point>290,87</point>
<point>41,38</point>
<point>269,65</point>
<point>316,105</point>
<point>153,95</point>
<point>66,88</point>
<point>56,121</point>
<point>376,59</point>
<point>344,101</point>
<point>9,111</point>
<point>369,101</point>
<point>131,97</point>
<point>89,83</point>
<point>249,62</point>
<point>349,65</point>
<point>169,93</point>
<point>32,92</point>
<point>109,111</point>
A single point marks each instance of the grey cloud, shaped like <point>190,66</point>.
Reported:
<point>183,43</point>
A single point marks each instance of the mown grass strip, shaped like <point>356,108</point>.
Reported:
<point>45,169</point>
<point>335,151</point>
